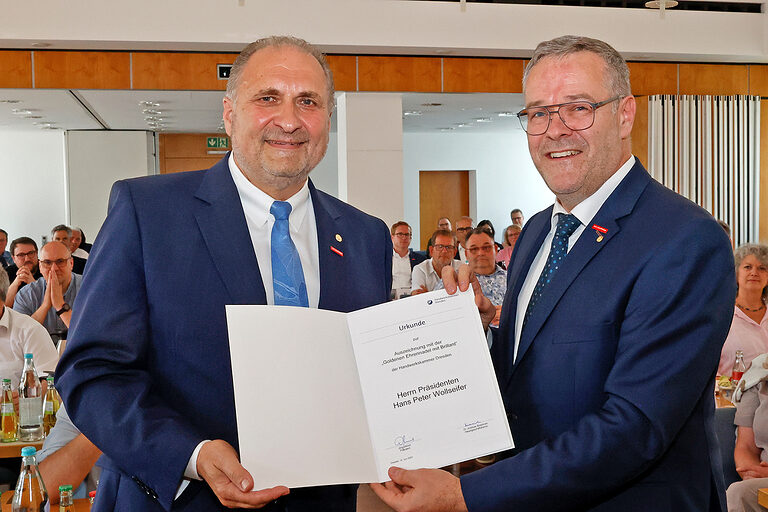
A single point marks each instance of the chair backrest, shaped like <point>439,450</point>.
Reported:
<point>726,436</point>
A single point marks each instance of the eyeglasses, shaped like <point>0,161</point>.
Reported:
<point>575,115</point>
<point>24,255</point>
<point>464,229</point>
<point>441,247</point>
<point>403,235</point>
<point>59,263</point>
<point>483,248</point>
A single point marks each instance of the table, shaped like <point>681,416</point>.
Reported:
<point>10,450</point>
<point>81,505</point>
<point>762,497</point>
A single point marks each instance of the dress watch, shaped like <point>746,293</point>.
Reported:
<point>64,308</point>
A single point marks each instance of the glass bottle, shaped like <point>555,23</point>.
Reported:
<point>738,368</point>
<point>10,419</point>
<point>30,403</point>
<point>30,494</point>
<point>66,504</point>
<point>50,406</point>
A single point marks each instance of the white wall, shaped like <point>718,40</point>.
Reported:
<point>96,159</point>
<point>505,177</point>
<point>326,175</point>
<point>32,182</point>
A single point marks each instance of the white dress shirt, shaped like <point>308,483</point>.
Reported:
<point>584,211</point>
<point>401,271</point>
<point>21,334</point>
<point>424,274</point>
<point>256,204</point>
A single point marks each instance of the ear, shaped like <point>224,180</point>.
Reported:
<point>627,111</point>
<point>229,106</point>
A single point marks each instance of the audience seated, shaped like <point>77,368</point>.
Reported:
<point>487,225</point>
<point>68,457</point>
<point>5,256</point>
<point>444,223</point>
<point>25,269</point>
<point>426,275</point>
<point>48,300</point>
<point>403,258</point>
<point>749,329</point>
<point>510,239</point>
<point>750,454</point>
<point>19,335</point>
<point>482,260</point>
<point>517,217</point>
<point>463,226</point>
<point>76,244</point>
<point>63,234</point>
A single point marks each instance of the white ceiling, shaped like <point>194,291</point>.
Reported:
<point>200,111</point>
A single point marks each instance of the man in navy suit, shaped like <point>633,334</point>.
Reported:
<point>619,298</point>
<point>147,374</point>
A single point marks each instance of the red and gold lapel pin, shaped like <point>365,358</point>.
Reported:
<point>338,239</point>
<point>600,230</point>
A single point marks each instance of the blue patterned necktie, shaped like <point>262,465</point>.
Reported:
<point>566,225</point>
<point>287,275</point>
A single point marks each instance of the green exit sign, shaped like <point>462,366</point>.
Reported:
<point>218,142</point>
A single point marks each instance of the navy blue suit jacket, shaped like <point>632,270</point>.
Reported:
<point>147,375</point>
<point>610,396</point>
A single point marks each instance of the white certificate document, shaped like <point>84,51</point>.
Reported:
<point>327,398</point>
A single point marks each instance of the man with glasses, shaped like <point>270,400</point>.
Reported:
<point>426,275</point>
<point>24,270</point>
<point>403,258</point>
<point>463,226</point>
<point>481,251</point>
<point>48,300</point>
<point>517,217</point>
<point>63,233</point>
<point>620,297</point>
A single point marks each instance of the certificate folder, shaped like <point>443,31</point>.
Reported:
<point>329,398</point>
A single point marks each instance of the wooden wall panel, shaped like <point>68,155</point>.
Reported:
<point>758,79</point>
<point>179,71</point>
<point>412,74</point>
<point>186,152</point>
<point>763,222</point>
<point>714,79</point>
<point>82,70</point>
<point>640,130</point>
<point>344,68</point>
<point>482,75</point>
<point>16,69</point>
<point>652,78</point>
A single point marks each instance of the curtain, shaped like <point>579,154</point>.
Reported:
<point>707,148</point>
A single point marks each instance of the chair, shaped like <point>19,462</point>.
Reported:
<point>726,437</point>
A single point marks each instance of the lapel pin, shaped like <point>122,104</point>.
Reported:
<point>337,251</point>
<point>338,237</point>
<point>600,230</point>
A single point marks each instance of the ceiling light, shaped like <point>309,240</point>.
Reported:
<point>463,125</point>
<point>40,45</point>
<point>151,112</point>
<point>21,112</point>
<point>148,104</point>
<point>661,4</point>
<point>431,104</point>
<point>446,129</point>
<point>41,123</point>
<point>506,114</point>
<point>483,120</point>
<point>10,101</point>
<point>412,113</point>
<point>33,117</point>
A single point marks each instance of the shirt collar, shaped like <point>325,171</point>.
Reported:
<point>257,202</point>
<point>586,210</point>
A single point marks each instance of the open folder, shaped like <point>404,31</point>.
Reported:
<point>327,398</point>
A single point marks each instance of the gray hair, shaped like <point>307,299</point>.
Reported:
<point>273,42</point>
<point>4,284</point>
<point>617,72</point>
<point>61,227</point>
<point>758,251</point>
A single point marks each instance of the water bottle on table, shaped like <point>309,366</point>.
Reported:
<point>30,494</point>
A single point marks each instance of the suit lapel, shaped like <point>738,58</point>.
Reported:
<point>619,204</point>
<point>221,220</point>
<point>331,252</point>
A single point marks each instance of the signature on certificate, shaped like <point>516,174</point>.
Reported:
<point>403,442</point>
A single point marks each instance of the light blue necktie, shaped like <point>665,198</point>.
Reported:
<point>566,225</point>
<point>287,275</point>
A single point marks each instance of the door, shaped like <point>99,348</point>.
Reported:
<point>441,194</point>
